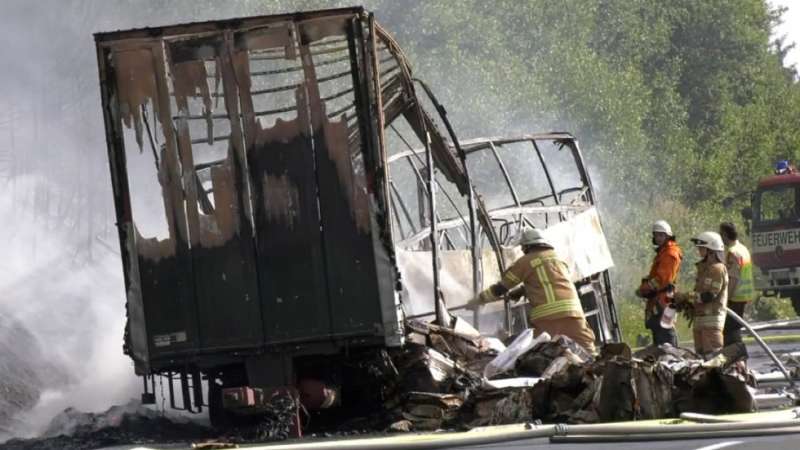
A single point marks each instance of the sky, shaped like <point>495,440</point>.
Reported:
<point>790,27</point>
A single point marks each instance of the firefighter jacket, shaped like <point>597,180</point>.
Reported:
<point>710,296</point>
<point>740,267</point>
<point>547,283</point>
<point>663,272</point>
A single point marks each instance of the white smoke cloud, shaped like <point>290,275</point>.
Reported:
<point>73,305</point>
<point>54,182</point>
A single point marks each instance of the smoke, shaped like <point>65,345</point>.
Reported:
<point>61,275</point>
<point>72,305</point>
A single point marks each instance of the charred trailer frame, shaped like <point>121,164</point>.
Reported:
<point>250,163</point>
<point>535,180</point>
<point>247,175</point>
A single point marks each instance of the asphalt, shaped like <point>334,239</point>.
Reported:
<point>779,442</point>
<point>782,442</point>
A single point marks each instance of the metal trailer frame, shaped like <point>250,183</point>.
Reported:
<point>599,306</point>
<point>242,287</point>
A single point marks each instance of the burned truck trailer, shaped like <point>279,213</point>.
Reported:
<point>285,200</point>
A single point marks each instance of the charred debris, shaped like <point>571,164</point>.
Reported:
<point>454,380</point>
<point>119,425</point>
<point>463,380</point>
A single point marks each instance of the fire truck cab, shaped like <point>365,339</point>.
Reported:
<point>775,216</point>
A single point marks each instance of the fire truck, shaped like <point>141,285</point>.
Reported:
<point>775,229</point>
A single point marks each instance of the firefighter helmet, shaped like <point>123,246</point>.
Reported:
<point>709,240</point>
<point>534,236</point>
<point>661,226</point>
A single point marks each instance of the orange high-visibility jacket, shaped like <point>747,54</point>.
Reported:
<point>664,271</point>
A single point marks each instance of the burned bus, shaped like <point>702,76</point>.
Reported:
<point>287,194</point>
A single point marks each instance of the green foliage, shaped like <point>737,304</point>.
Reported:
<point>678,104</point>
<point>770,308</point>
<point>631,315</point>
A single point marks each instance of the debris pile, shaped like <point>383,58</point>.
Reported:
<point>126,424</point>
<point>427,411</point>
<point>455,378</point>
<point>276,424</point>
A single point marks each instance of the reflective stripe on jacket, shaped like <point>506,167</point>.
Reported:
<point>547,285</point>
<point>740,266</point>
<point>663,272</point>
<point>712,276</point>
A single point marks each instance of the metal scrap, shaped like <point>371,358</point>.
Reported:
<point>557,382</point>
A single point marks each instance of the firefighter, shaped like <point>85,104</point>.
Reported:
<point>709,298</point>
<point>740,280</point>
<point>654,287</point>
<point>545,278</point>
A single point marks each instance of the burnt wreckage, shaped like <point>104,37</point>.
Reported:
<point>286,201</point>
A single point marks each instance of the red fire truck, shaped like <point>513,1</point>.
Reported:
<point>775,230</point>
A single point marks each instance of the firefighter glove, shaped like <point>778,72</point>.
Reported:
<point>474,303</point>
<point>688,313</point>
<point>645,293</point>
<point>684,297</point>
<point>706,297</point>
<point>516,293</point>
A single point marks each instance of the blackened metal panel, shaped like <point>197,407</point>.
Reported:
<point>341,169</point>
<point>377,174</point>
<point>157,227</point>
<point>240,23</point>
<point>222,244</point>
<point>281,163</point>
<point>135,334</point>
<point>296,169</point>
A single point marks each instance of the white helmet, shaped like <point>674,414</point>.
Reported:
<point>661,226</point>
<point>709,240</point>
<point>534,236</point>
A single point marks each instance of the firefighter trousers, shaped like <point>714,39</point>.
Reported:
<point>574,328</point>
<point>661,335</point>
<point>707,340</point>
<point>732,332</point>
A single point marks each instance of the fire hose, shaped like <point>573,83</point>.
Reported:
<point>764,346</point>
<point>559,433</point>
